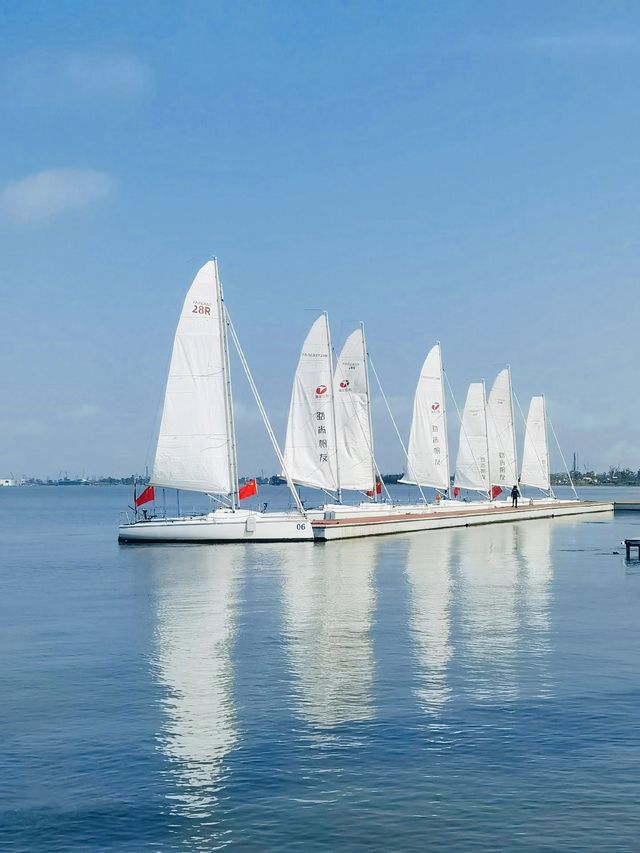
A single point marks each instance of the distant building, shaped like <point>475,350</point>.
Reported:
<point>5,482</point>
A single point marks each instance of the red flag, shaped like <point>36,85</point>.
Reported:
<point>495,491</point>
<point>378,490</point>
<point>146,496</point>
<point>249,489</point>
<point>456,491</point>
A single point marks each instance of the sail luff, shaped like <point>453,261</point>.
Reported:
<point>444,419</point>
<point>374,468</point>
<point>333,406</point>
<point>427,462</point>
<point>192,451</point>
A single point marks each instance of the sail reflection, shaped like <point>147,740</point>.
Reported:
<point>429,573</point>
<point>329,601</point>
<point>195,626</point>
<point>488,578</point>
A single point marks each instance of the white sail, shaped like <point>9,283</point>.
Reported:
<point>535,455</point>
<point>472,464</point>
<point>195,446</point>
<point>310,446</point>
<point>353,424</point>
<point>428,454</point>
<point>501,433</point>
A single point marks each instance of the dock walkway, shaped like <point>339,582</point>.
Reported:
<point>378,525</point>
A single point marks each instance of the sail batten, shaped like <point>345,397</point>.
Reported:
<point>195,445</point>
<point>310,445</point>
<point>501,432</point>
<point>353,425</point>
<point>472,463</point>
<point>535,455</point>
<point>427,461</point>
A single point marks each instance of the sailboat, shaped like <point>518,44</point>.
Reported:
<point>427,463</point>
<point>535,454</point>
<point>472,463</point>
<point>501,435</point>
<point>196,449</point>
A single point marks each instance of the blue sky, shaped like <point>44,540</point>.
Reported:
<point>455,170</point>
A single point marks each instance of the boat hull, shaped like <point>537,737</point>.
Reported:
<point>428,518</point>
<point>220,526</point>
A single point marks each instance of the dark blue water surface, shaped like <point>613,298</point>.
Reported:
<point>440,690</point>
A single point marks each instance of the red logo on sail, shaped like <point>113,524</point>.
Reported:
<point>344,383</point>
<point>435,407</point>
<point>321,389</point>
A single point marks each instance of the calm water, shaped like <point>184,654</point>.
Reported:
<point>439,690</point>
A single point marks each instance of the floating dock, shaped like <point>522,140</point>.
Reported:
<point>626,506</point>
<point>344,526</point>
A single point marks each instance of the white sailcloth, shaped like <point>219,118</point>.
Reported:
<point>353,424</point>
<point>472,464</point>
<point>428,453</point>
<point>310,446</point>
<point>195,446</point>
<point>535,455</point>
<point>501,433</point>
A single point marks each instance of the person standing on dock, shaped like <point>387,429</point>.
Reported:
<point>515,494</point>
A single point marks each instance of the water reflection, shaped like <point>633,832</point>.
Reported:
<point>534,549</point>
<point>428,567</point>
<point>329,601</point>
<point>195,626</point>
<point>488,573</point>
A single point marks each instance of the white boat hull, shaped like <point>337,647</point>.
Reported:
<point>342,525</point>
<point>221,526</point>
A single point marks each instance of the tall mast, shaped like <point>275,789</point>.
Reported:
<point>486,437</point>
<point>546,443</point>
<point>513,430</point>
<point>444,417</point>
<point>333,406</point>
<point>366,380</point>
<point>228,401</point>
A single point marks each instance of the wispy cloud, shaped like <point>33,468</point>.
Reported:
<point>43,195</point>
<point>84,411</point>
<point>74,76</point>
<point>586,43</point>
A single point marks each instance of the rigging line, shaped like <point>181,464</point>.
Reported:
<point>535,448</point>
<point>464,432</point>
<point>564,461</point>
<point>263,413</point>
<point>155,433</point>
<point>395,426</point>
